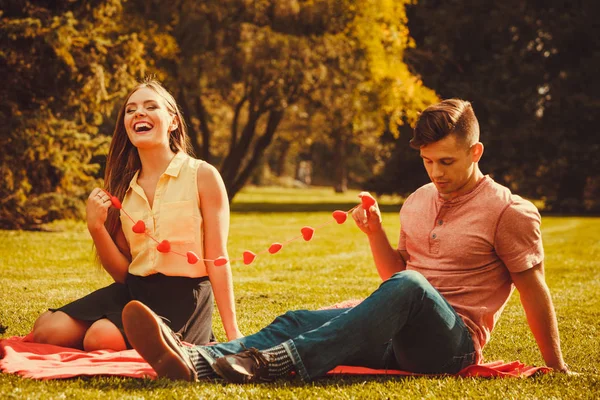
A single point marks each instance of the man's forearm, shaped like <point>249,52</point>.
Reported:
<point>387,259</point>
<point>543,324</point>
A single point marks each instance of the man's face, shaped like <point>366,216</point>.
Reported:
<point>451,165</point>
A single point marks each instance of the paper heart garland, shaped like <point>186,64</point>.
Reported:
<point>340,216</point>
<point>139,227</point>
<point>307,233</point>
<point>115,202</point>
<point>249,257</point>
<point>275,247</point>
<point>192,257</point>
<point>164,246</point>
<point>367,201</point>
<point>220,261</point>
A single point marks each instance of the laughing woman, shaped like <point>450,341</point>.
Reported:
<point>179,199</point>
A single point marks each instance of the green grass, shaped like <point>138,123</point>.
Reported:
<point>47,269</point>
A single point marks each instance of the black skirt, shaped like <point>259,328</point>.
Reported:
<point>185,303</point>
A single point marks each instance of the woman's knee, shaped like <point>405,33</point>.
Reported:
<point>59,329</point>
<point>41,327</point>
<point>103,335</point>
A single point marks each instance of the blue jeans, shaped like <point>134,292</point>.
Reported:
<point>405,324</point>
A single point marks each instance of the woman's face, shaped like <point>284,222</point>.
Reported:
<point>147,119</point>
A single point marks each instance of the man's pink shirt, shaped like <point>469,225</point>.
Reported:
<point>467,247</point>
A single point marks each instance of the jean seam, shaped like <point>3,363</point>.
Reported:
<point>292,351</point>
<point>464,356</point>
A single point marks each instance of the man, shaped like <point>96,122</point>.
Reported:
<point>465,243</point>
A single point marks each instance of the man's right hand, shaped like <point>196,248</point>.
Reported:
<point>368,221</point>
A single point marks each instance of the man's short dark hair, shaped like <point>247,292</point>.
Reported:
<point>452,116</point>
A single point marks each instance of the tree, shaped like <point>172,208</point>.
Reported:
<point>569,105</point>
<point>528,68</point>
<point>64,64</point>
<point>237,68</point>
<point>371,90</point>
<point>244,63</point>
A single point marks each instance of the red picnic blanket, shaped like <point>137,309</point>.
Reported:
<point>43,361</point>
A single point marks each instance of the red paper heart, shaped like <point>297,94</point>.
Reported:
<point>115,202</point>
<point>192,257</point>
<point>249,257</point>
<point>220,261</point>
<point>139,227</point>
<point>340,216</point>
<point>307,233</point>
<point>164,246</point>
<point>367,201</point>
<point>275,247</point>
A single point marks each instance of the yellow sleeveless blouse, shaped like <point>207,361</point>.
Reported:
<point>175,216</point>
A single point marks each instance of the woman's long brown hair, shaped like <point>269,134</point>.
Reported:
<point>123,159</point>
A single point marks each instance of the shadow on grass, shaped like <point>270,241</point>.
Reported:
<point>132,385</point>
<point>302,207</point>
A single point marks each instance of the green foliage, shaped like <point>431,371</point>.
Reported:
<point>529,69</point>
<point>237,67</point>
<point>64,66</point>
<point>370,89</point>
<point>243,66</point>
<point>335,266</point>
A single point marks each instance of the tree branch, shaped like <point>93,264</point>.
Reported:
<point>204,129</point>
<point>275,117</point>
<point>187,112</point>
<point>235,121</point>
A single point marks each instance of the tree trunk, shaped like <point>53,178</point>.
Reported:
<point>233,161</point>
<point>570,194</point>
<point>205,153</point>
<point>339,164</point>
<point>240,179</point>
<point>281,160</point>
<point>188,112</point>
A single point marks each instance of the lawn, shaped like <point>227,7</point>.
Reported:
<point>47,269</point>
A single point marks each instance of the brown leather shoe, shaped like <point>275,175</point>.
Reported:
<point>249,366</point>
<point>157,343</point>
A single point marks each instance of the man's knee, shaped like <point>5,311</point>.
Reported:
<point>291,317</point>
<point>409,282</point>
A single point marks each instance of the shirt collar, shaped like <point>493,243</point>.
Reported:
<point>176,164</point>
<point>486,180</point>
<point>172,170</point>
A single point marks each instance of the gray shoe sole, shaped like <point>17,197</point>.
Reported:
<point>153,341</point>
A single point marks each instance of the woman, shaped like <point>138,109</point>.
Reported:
<point>179,199</point>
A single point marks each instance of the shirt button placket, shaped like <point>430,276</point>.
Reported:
<point>434,243</point>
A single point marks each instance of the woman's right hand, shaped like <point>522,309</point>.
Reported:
<point>97,207</point>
